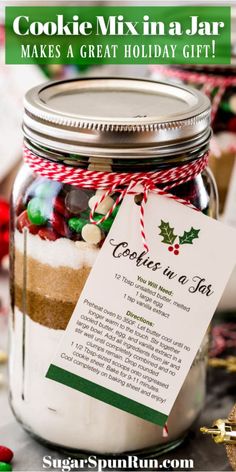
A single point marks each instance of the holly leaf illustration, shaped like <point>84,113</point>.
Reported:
<point>189,236</point>
<point>167,233</point>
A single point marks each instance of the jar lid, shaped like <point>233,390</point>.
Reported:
<point>116,117</point>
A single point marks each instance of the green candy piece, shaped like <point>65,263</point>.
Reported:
<point>37,211</point>
<point>214,91</point>
<point>97,216</point>
<point>85,214</point>
<point>225,106</point>
<point>76,224</point>
<point>106,224</point>
<point>115,211</point>
<point>5,466</point>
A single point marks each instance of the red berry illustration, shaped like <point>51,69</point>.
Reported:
<point>176,246</point>
<point>170,248</point>
<point>176,252</point>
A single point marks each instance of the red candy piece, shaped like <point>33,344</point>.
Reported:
<point>19,206</point>
<point>4,212</point>
<point>33,229</point>
<point>4,246</point>
<point>232,125</point>
<point>6,455</point>
<point>5,236</point>
<point>48,233</point>
<point>24,222</point>
<point>4,228</point>
<point>59,224</point>
<point>59,207</point>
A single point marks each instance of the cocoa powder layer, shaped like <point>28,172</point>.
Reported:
<point>48,312</point>
<point>59,283</point>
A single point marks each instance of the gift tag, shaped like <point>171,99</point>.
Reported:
<point>142,315</point>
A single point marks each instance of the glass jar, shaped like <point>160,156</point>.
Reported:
<point>102,125</point>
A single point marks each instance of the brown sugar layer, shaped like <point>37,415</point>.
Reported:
<point>60,283</point>
<point>48,312</point>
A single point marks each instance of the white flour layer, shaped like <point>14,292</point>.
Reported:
<point>72,419</point>
<point>60,253</point>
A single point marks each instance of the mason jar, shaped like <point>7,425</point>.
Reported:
<point>104,125</point>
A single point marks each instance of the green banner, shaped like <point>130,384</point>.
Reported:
<point>118,35</point>
<point>104,394</point>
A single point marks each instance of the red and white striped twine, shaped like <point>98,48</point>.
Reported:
<point>122,183</point>
<point>165,431</point>
<point>207,81</point>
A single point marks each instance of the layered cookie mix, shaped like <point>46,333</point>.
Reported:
<point>55,249</point>
<point>60,248</point>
